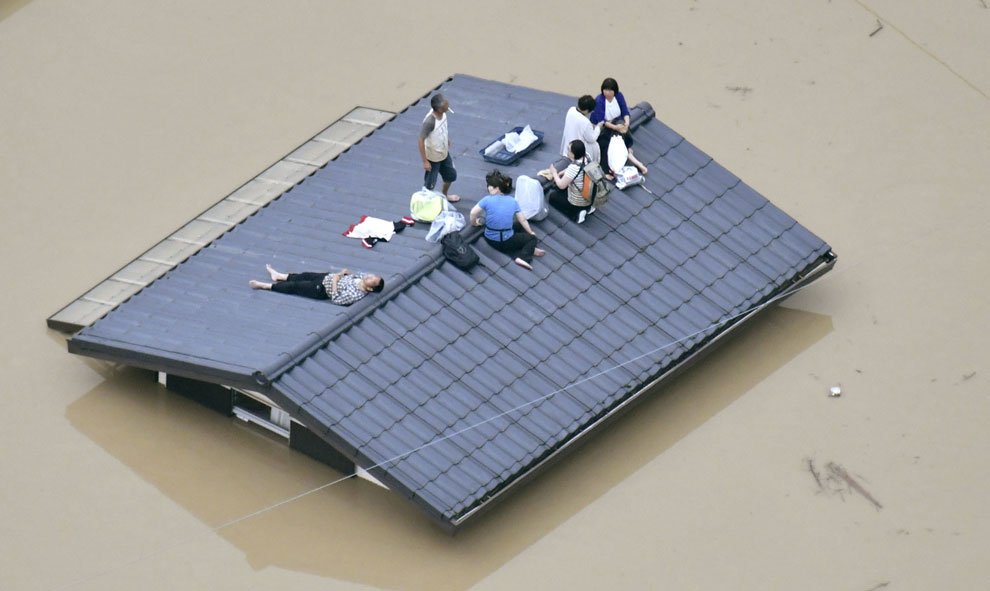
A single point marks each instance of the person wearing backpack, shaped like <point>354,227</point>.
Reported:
<point>499,213</point>
<point>575,203</point>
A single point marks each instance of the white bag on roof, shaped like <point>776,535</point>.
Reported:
<point>617,153</point>
<point>531,198</point>
<point>447,221</point>
<point>628,177</point>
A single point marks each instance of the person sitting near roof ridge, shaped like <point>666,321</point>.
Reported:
<point>500,214</point>
<point>612,113</point>
<point>342,288</point>
<point>577,126</point>
<point>572,202</point>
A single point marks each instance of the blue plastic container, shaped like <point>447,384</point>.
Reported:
<point>505,157</point>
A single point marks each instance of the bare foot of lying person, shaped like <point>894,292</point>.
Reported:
<point>539,252</point>
<point>259,285</point>
<point>524,264</point>
<point>276,276</point>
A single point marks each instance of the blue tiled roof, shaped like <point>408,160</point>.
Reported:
<point>452,386</point>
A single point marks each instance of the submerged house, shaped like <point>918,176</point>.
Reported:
<point>452,388</point>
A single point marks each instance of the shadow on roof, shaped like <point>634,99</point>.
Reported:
<point>219,470</point>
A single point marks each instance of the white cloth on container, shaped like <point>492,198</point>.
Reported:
<point>494,147</point>
<point>517,142</point>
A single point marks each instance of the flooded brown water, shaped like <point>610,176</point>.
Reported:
<point>119,121</point>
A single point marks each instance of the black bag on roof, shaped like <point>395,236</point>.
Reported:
<point>458,252</point>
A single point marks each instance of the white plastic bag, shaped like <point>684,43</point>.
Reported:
<point>510,141</point>
<point>517,142</point>
<point>494,147</point>
<point>617,153</point>
<point>628,177</point>
<point>531,198</point>
<point>526,139</point>
<point>447,221</point>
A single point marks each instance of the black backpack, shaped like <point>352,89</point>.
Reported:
<point>458,252</point>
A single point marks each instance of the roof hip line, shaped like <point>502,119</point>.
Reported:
<point>265,376</point>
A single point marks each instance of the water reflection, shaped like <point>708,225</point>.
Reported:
<point>220,469</point>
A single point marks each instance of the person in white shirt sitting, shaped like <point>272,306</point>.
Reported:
<point>577,126</point>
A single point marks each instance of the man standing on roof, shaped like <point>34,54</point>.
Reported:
<point>434,147</point>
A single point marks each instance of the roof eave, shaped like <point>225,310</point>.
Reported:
<point>148,358</point>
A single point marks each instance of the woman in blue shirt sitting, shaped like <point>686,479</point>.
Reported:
<point>613,113</point>
<point>506,228</point>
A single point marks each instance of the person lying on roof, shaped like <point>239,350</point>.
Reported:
<point>342,288</point>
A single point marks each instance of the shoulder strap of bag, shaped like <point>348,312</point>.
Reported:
<point>587,183</point>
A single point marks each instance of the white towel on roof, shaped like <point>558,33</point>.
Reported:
<point>370,227</point>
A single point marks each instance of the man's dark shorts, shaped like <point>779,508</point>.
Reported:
<point>444,169</point>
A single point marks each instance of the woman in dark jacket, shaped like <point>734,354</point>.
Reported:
<point>613,113</point>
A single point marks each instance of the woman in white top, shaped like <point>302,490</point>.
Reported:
<point>612,114</point>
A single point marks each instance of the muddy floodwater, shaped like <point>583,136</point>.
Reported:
<point>866,120</point>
